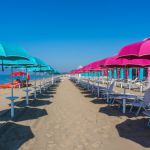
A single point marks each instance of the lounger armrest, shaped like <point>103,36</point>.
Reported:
<point>140,99</point>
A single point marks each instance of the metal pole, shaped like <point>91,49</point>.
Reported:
<point>40,80</point>
<point>27,95</point>
<point>12,95</point>
<point>52,80</point>
<point>124,99</point>
<point>98,85</point>
<point>107,87</point>
<point>35,86</point>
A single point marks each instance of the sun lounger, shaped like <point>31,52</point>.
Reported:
<point>142,102</point>
<point>122,99</point>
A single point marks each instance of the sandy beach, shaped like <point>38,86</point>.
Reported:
<point>68,118</point>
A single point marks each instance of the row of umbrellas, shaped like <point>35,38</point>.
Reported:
<point>13,56</point>
<point>132,55</point>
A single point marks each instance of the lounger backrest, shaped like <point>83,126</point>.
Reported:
<point>135,79</point>
<point>147,96</point>
<point>111,86</point>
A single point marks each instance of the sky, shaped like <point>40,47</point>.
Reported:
<point>71,33</point>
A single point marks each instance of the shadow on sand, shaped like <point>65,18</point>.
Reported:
<point>22,114</point>
<point>13,135</point>
<point>86,93</point>
<point>135,130</point>
<point>99,101</point>
<point>33,103</point>
<point>114,111</point>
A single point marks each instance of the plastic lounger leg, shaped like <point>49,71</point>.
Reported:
<point>124,106</point>
<point>138,111</point>
<point>131,108</point>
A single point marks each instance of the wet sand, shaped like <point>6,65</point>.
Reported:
<point>69,118</point>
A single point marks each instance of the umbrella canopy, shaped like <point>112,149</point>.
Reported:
<point>138,49</point>
<point>96,64</point>
<point>32,63</point>
<point>17,63</point>
<point>12,52</point>
<point>125,62</point>
<point>55,71</point>
<point>84,69</point>
<point>18,73</point>
<point>99,69</point>
<point>38,62</point>
<point>45,69</point>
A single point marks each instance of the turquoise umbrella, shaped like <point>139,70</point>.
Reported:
<point>42,70</point>
<point>12,52</point>
<point>16,64</point>
<point>38,63</point>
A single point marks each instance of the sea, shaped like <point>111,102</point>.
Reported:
<point>5,78</point>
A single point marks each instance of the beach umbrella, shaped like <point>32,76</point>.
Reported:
<point>18,73</point>
<point>38,63</point>
<point>46,69</point>
<point>16,64</point>
<point>114,62</point>
<point>126,62</point>
<point>138,49</point>
<point>98,69</point>
<point>11,52</point>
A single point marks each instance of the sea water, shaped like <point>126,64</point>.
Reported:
<point>5,78</point>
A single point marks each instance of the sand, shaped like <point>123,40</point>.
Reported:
<point>69,118</point>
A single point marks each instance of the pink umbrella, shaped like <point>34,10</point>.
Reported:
<point>125,62</point>
<point>99,63</point>
<point>98,69</point>
<point>138,49</point>
<point>19,73</point>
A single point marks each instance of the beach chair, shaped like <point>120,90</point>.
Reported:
<point>142,102</point>
<point>104,92</point>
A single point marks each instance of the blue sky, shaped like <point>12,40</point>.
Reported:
<point>69,33</point>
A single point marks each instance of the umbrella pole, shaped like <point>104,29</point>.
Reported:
<point>40,83</point>
<point>107,87</point>
<point>27,91</point>
<point>12,95</point>
<point>125,79</point>
<point>52,80</point>
<point>44,82</point>
<point>124,100</point>
<point>88,81</point>
<point>98,85</point>
<point>35,86</point>
<point>40,80</point>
